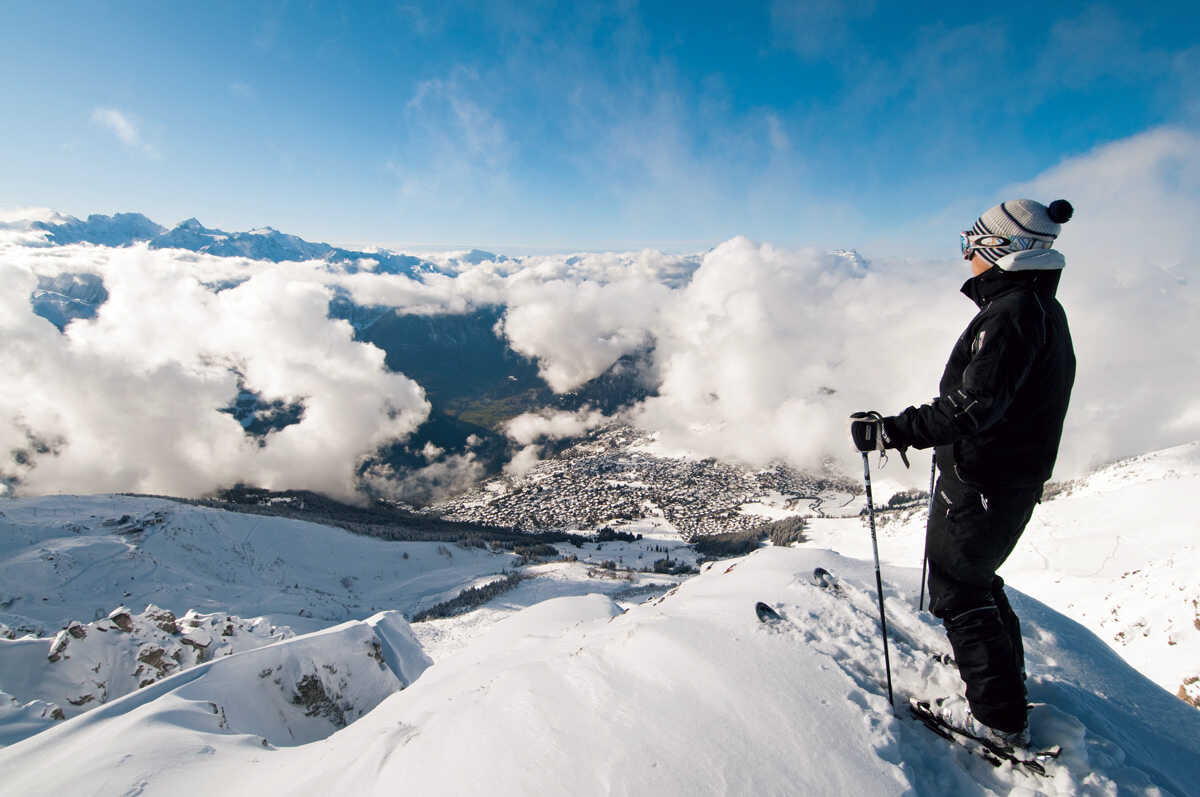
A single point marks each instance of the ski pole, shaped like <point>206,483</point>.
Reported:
<point>925,555</point>
<point>887,664</point>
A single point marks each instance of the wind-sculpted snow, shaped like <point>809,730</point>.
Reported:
<point>685,694</point>
<point>291,693</point>
<point>89,664</point>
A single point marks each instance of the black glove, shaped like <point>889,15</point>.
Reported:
<point>869,434</point>
<point>866,430</point>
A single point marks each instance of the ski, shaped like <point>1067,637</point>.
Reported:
<point>1031,760</point>
<point>820,577</point>
<point>766,614</point>
<point>826,580</point>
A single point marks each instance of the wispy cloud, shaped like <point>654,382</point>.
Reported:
<point>120,125</point>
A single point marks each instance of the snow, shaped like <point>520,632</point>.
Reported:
<point>87,665</point>
<point>687,694</point>
<point>573,683</point>
<point>773,506</point>
<point>292,693</point>
<point>76,557</point>
<point>1116,552</point>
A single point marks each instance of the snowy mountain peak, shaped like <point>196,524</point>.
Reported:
<point>853,258</point>
<point>262,243</point>
<point>119,229</point>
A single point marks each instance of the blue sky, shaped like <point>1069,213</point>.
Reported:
<point>527,125</point>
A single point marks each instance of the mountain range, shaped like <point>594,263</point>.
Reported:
<point>265,243</point>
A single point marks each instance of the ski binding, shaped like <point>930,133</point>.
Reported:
<point>1031,760</point>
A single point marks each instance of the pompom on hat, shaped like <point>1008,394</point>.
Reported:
<point>1031,229</point>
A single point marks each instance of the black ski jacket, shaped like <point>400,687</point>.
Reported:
<point>1005,390</point>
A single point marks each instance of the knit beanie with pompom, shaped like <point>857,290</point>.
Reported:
<point>1028,225</point>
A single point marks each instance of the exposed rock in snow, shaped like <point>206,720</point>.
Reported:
<point>88,665</point>
<point>294,692</point>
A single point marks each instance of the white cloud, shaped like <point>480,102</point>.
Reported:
<point>577,330</point>
<point>134,393</point>
<point>457,150</point>
<point>764,354</point>
<point>1132,293</point>
<point>443,477</point>
<point>758,353</point>
<point>523,461</point>
<point>120,125</point>
<point>529,427</point>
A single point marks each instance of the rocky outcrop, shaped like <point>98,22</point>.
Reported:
<point>121,618</point>
<point>128,651</point>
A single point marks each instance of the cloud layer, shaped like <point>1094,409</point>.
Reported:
<point>128,400</point>
<point>766,351</point>
<point>759,353</point>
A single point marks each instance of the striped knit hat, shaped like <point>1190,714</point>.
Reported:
<point>1028,224</point>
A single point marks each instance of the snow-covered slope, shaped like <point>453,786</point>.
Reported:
<point>70,558</point>
<point>211,583</point>
<point>1117,551</point>
<point>687,694</point>
<point>290,693</point>
<point>119,229</point>
<point>86,665</point>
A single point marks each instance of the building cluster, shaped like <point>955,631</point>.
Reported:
<point>610,478</point>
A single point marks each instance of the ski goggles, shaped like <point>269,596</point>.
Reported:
<point>970,241</point>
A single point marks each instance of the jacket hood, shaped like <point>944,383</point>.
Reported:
<point>1033,260</point>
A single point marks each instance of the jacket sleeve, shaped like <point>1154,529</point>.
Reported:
<point>1002,353</point>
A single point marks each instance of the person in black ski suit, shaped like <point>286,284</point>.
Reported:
<point>995,428</point>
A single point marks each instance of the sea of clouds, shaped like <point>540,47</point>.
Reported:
<point>759,353</point>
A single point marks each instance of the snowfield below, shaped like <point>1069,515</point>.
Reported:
<point>685,694</point>
<point>78,557</point>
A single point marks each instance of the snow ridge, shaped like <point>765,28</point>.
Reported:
<point>687,693</point>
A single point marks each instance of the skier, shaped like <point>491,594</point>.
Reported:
<point>995,429</point>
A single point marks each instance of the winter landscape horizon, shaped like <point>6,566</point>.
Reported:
<point>410,397</point>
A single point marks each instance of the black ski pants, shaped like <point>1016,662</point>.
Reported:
<point>969,536</point>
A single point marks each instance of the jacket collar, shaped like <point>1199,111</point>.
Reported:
<point>1033,260</point>
<point>995,282</point>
